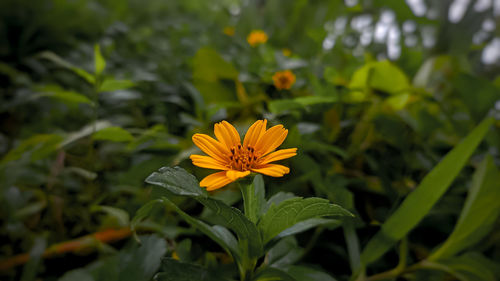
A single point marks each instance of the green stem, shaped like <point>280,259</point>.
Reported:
<point>352,246</point>
<point>248,194</point>
<point>424,264</point>
<point>393,273</point>
<point>400,268</point>
<point>403,253</point>
<point>95,97</point>
<point>247,265</point>
<point>95,113</point>
<point>246,269</point>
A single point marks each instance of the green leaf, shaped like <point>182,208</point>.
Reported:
<point>295,210</point>
<point>84,74</point>
<point>56,92</point>
<point>209,68</point>
<point>398,102</point>
<point>178,181</point>
<point>216,93</point>
<point>116,134</point>
<point>279,106</point>
<point>479,214</point>
<point>32,266</point>
<point>30,210</point>
<point>424,73</point>
<point>16,76</point>
<point>273,274</point>
<point>254,198</point>
<point>336,191</point>
<point>183,249</point>
<point>68,96</point>
<point>63,63</point>
<point>208,65</point>
<point>419,202</point>
<point>478,94</point>
<point>306,225</point>
<point>383,76</point>
<point>333,75</point>
<point>313,100</point>
<point>36,147</point>
<point>110,85</point>
<point>85,174</point>
<point>99,61</point>
<point>174,270</point>
<point>353,249</point>
<point>154,138</point>
<point>471,267</point>
<point>133,263</point>
<point>144,212</point>
<point>232,218</point>
<point>217,233</point>
<point>121,216</point>
<point>142,262</point>
<point>47,145</point>
<point>277,198</point>
<point>85,132</point>
<point>304,273</point>
<point>286,252</point>
<point>311,145</point>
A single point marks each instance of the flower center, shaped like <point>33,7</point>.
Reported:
<point>243,158</point>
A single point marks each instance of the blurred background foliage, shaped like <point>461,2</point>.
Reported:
<point>96,95</point>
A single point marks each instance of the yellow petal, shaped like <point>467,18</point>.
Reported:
<point>211,147</point>
<point>271,139</point>
<point>234,175</point>
<point>208,162</point>
<point>273,170</point>
<point>278,155</point>
<point>254,133</point>
<point>227,134</point>
<point>215,181</point>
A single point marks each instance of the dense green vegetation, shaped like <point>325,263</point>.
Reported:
<point>394,107</point>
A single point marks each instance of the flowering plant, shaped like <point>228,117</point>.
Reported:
<point>283,80</point>
<point>257,37</point>
<point>237,160</point>
<point>261,223</point>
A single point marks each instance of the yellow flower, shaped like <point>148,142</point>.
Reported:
<point>237,160</point>
<point>175,256</point>
<point>257,37</point>
<point>286,52</point>
<point>229,30</point>
<point>283,79</point>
